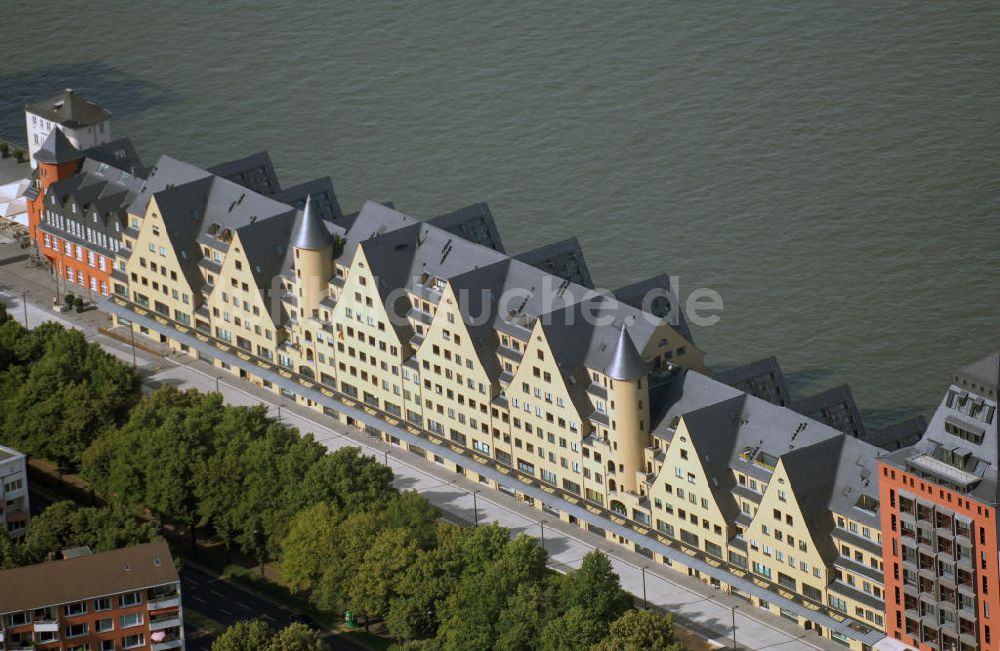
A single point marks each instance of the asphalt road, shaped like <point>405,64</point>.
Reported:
<point>227,603</point>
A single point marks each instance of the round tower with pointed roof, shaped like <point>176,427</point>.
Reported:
<point>56,160</point>
<point>628,412</point>
<point>312,246</point>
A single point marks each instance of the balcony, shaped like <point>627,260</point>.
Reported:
<point>46,626</point>
<point>164,602</point>
<point>163,623</point>
<point>176,643</point>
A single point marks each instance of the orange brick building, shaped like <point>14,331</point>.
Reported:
<point>939,522</point>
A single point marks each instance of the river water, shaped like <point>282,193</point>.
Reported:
<point>831,169</point>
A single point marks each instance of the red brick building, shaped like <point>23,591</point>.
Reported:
<point>77,210</point>
<point>124,599</point>
<point>939,522</point>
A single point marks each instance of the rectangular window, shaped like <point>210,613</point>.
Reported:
<point>129,599</point>
<point>78,608</point>
<point>128,621</point>
<point>133,641</point>
<point>104,625</point>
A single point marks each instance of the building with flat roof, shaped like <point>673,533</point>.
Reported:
<point>15,506</point>
<point>123,599</point>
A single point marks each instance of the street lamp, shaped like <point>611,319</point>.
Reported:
<point>24,302</point>
<point>542,525</point>
<point>131,330</point>
<point>734,626</point>
<point>385,456</point>
<point>475,507</point>
<point>217,377</point>
<point>279,414</point>
<point>645,604</point>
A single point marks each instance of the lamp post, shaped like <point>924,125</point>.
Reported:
<point>475,508</point>
<point>217,384</point>
<point>385,456</point>
<point>542,525</point>
<point>734,627</point>
<point>279,414</point>
<point>131,330</point>
<point>645,604</point>
<point>24,302</point>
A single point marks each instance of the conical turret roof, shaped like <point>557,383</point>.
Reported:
<point>626,363</point>
<point>57,149</point>
<point>311,232</point>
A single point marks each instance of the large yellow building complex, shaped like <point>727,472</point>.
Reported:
<point>593,405</point>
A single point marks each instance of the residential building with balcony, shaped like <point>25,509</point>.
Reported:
<point>15,506</point>
<point>939,517</point>
<point>123,599</point>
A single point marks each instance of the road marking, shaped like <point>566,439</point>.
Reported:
<point>217,594</point>
<point>242,605</point>
<point>226,612</point>
<point>199,599</point>
<point>268,617</point>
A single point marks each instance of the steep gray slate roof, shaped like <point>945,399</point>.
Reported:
<point>311,232</point>
<point>742,431</point>
<point>984,372</point>
<point>656,295</point>
<point>563,259</point>
<point>322,193</point>
<point>208,207</point>
<point>167,172</point>
<point>255,172</point>
<point>762,378</point>
<point>57,149</point>
<point>474,223</point>
<point>70,110</point>
<point>897,435</point>
<point>625,364</point>
<point>119,153</point>
<point>835,407</point>
<point>522,294</point>
<point>833,475</point>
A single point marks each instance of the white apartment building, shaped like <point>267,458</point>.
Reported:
<point>14,504</point>
<point>84,123</point>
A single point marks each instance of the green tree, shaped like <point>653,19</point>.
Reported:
<point>596,588</point>
<point>374,583</point>
<point>310,546</point>
<point>296,637</point>
<point>355,535</point>
<point>247,635</point>
<point>577,630</point>
<point>641,630</point>
<point>471,612</point>
<point>523,619</point>
<point>410,510</point>
<point>64,524</point>
<point>355,482</point>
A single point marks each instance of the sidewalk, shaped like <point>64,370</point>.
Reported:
<point>696,606</point>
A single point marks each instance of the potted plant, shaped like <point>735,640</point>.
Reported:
<point>19,154</point>
<point>69,299</point>
<point>78,302</point>
<point>4,150</point>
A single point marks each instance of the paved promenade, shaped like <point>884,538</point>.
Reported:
<point>696,605</point>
